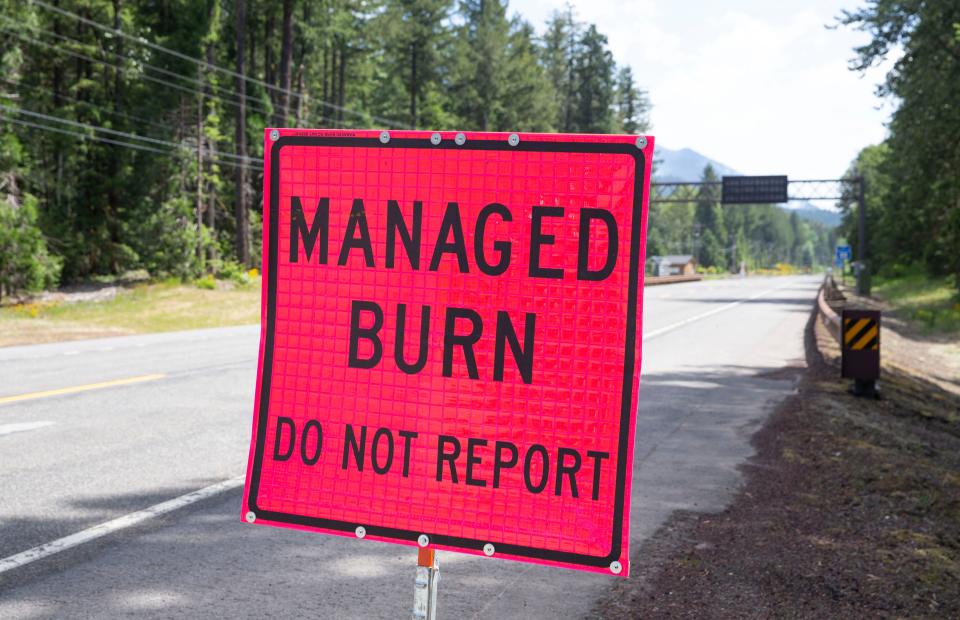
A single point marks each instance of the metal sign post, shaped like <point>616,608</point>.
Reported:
<point>425,585</point>
<point>844,254</point>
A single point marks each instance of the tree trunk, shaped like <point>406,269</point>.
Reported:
<point>57,67</point>
<point>117,74</point>
<point>113,165</point>
<point>211,211</point>
<point>324,72</point>
<point>286,56</point>
<point>413,84</point>
<point>199,197</point>
<point>342,81</point>
<point>299,104</point>
<point>242,214</point>
<point>252,43</point>
<point>268,74</point>
<point>332,76</point>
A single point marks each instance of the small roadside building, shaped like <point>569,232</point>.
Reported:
<point>673,265</point>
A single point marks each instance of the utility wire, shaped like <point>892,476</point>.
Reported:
<point>125,70</point>
<point>120,143</point>
<point>253,99</point>
<point>123,134</point>
<point>210,66</point>
<point>36,88</point>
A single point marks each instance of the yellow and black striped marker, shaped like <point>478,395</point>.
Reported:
<point>861,348</point>
<point>861,334</point>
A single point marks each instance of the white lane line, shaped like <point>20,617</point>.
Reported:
<point>693,319</point>
<point>98,531</point>
<point>9,429</point>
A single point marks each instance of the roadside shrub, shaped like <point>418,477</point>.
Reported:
<point>167,241</point>
<point>232,271</point>
<point>26,265</point>
<point>206,282</point>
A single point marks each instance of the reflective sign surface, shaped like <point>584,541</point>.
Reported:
<point>451,341</point>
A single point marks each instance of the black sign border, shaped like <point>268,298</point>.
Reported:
<point>629,348</point>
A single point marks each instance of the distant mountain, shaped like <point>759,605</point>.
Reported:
<point>830,219</point>
<point>673,166</point>
<point>684,165</point>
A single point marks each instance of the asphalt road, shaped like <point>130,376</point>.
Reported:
<point>714,355</point>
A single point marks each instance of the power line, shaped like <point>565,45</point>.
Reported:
<point>202,63</point>
<point>131,136</point>
<point>173,145</point>
<point>83,136</point>
<point>37,88</point>
<point>120,143</point>
<point>159,70</point>
<point>122,69</point>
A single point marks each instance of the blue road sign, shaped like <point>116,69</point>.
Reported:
<point>844,253</point>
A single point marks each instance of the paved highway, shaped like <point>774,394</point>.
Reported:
<point>96,430</point>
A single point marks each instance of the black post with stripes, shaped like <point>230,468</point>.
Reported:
<point>860,346</point>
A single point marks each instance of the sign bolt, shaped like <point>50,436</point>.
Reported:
<point>642,142</point>
<point>274,135</point>
<point>616,567</point>
<point>488,549</point>
<point>460,139</point>
<point>423,540</point>
<point>435,138</point>
<point>251,517</point>
<point>384,136</point>
<point>361,531</point>
<point>513,140</point>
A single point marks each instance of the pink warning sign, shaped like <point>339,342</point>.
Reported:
<point>450,341</point>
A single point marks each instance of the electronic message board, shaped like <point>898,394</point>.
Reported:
<point>450,346</point>
<point>738,190</point>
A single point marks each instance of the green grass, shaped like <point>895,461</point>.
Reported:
<point>929,303</point>
<point>154,307</point>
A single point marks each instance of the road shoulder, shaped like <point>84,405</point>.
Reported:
<point>851,508</point>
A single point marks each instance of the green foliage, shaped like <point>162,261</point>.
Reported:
<point>633,105</point>
<point>913,178</point>
<point>594,71</point>
<point>233,271</point>
<point>207,282</point>
<point>25,264</point>
<point>166,242</point>
<point>930,302</point>
<point>164,199</point>
<point>708,222</point>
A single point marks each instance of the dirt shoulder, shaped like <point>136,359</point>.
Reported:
<point>851,508</point>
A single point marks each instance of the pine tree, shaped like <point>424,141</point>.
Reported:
<point>709,217</point>
<point>633,106</point>
<point>558,56</point>
<point>593,68</point>
<point>480,69</point>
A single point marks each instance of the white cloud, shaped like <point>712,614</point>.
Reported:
<point>762,87</point>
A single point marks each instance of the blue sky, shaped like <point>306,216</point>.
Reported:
<point>760,86</point>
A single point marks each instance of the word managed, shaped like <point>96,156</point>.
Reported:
<point>315,239</point>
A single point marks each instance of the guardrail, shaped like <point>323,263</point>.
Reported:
<point>655,280</point>
<point>857,331</point>
<point>829,316</point>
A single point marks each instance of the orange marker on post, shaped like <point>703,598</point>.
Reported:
<point>425,586</point>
